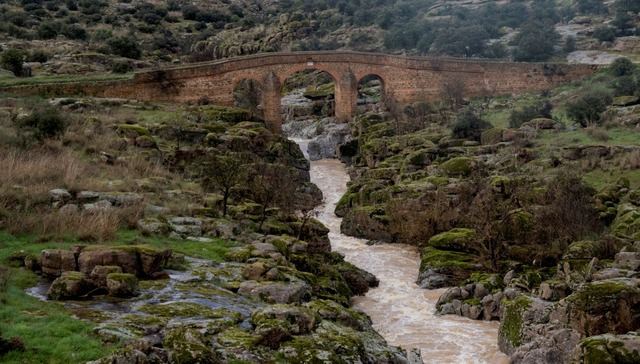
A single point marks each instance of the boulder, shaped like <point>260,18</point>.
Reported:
<point>122,284</point>
<point>458,167</point>
<point>541,123</point>
<point>599,307</point>
<point>458,239</point>
<point>99,206</point>
<point>152,226</point>
<point>140,260</point>
<point>300,320</point>
<point>56,261</point>
<point>607,348</point>
<point>188,345</point>
<point>441,268</point>
<point>70,285</point>
<point>60,195</point>
<point>276,292</point>
<point>100,272</point>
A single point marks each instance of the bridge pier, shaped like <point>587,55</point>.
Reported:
<point>346,96</point>
<point>271,103</point>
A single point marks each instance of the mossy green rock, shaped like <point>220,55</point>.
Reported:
<point>122,284</point>
<point>133,130</point>
<point>627,221</point>
<point>187,345</point>
<point>609,349</point>
<point>607,306</point>
<point>458,239</point>
<point>512,323</point>
<point>458,167</point>
<point>69,285</point>
<point>188,309</point>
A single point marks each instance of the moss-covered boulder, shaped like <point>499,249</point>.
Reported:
<point>458,167</point>
<point>70,285</point>
<point>442,268</point>
<point>132,130</point>
<point>276,292</point>
<point>122,284</point>
<point>458,239</point>
<point>491,136</point>
<point>512,323</point>
<point>627,221</point>
<point>187,345</point>
<point>609,349</point>
<point>608,306</point>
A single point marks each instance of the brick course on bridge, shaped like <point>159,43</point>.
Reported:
<point>405,79</point>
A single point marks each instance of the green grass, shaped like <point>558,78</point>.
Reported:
<point>599,178</point>
<point>213,251</point>
<point>50,333</point>
<point>8,81</point>
<point>617,136</point>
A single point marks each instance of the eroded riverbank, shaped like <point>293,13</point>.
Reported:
<point>401,311</point>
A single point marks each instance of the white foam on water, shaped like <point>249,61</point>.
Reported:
<point>402,312</point>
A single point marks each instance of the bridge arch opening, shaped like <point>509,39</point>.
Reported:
<point>371,93</point>
<point>309,94</point>
<point>249,94</point>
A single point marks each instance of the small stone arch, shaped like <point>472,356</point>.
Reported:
<point>320,94</point>
<point>371,90</point>
<point>248,93</point>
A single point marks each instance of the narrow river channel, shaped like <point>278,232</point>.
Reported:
<point>401,311</point>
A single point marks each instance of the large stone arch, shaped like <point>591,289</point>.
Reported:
<point>406,79</point>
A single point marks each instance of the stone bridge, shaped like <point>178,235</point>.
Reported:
<point>405,79</point>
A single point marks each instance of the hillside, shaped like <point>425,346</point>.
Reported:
<point>78,37</point>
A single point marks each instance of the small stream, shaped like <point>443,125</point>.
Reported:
<point>402,312</point>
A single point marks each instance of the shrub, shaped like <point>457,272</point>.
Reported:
<point>74,31</point>
<point>626,85</point>
<point>588,108</point>
<point>535,42</point>
<point>125,47</point>
<point>469,125</point>
<point>48,30</point>
<point>569,44</point>
<point>622,67</point>
<point>528,113</point>
<point>38,56</point>
<point>604,33</point>
<point>598,134</point>
<point>121,67</point>
<point>42,124</point>
<point>13,60</point>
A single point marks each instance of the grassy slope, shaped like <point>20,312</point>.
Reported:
<point>50,333</point>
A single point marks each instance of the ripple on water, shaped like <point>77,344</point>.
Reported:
<point>401,311</point>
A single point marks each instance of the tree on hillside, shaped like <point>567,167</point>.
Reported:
<point>272,185</point>
<point>535,42</point>
<point>469,125</point>
<point>587,110</point>
<point>222,173</point>
<point>13,60</point>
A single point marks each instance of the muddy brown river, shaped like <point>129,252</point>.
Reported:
<point>401,311</point>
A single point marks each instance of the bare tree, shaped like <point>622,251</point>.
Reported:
<point>222,173</point>
<point>452,92</point>
<point>248,95</point>
<point>272,185</point>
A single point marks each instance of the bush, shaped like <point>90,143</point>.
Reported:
<point>74,31</point>
<point>13,60</point>
<point>48,30</point>
<point>626,85</point>
<point>535,42</point>
<point>469,125</point>
<point>125,47</point>
<point>121,67</point>
<point>588,108</point>
<point>604,34</point>
<point>528,113</point>
<point>38,56</point>
<point>569,44</point>
<point>622,67</point>
<point>42,124</point>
